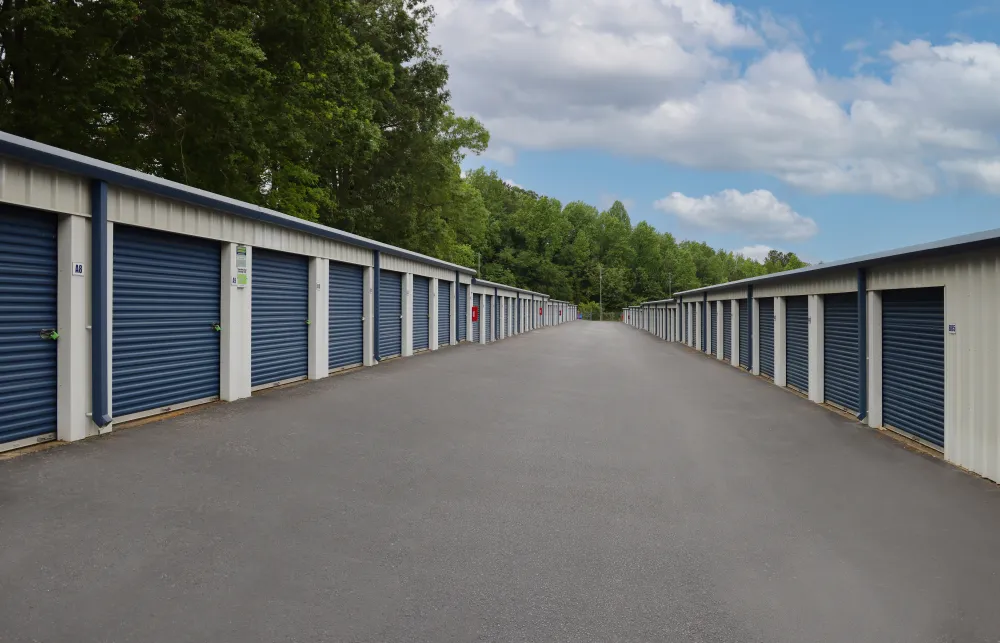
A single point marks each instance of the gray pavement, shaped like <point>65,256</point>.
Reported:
<point>582,483</point>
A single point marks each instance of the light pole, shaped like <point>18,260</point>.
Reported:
<point>600,290</point>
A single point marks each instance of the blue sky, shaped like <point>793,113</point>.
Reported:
<point>873,122</point>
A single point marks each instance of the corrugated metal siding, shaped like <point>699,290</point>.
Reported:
<point>346,315</point>
<point>797,343</point>
<point>399,264</point>
<point>28,287</point>
<point>841,281</point>
<point>421,313</point>
<point>463,308</point>
<point>744,335</point>
<point>37,187</point>
<point>165,304</point>
<point>972,371</point>
<point>390,317</point>
<point>722,295</point>
<point>840,350</point>
<point>766,330</point>
<point>148,211</point>
<point>913,362</point>
<point>444,313</point>
<point>279,332</point>
<point>488,318</point>
<point>477,303</point>
<point>727,330</point>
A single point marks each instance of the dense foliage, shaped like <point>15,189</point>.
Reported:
<point>335,111</point>
<point>578,253</point>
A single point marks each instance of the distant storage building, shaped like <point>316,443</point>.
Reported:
<point>905,340</point>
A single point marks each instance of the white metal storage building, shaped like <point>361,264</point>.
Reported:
<point>905,340</point>
<point>123,296</point>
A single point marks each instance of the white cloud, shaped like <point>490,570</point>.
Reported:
<point>503,154</point>
<point>757,253</point>
<point>661,79</point>
<point>512,184</point>
<point>757,215</point>
<point>983,174</point>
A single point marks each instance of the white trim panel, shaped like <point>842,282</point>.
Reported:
<point>840,281</point>
<point>32,186</point>
<point>148,211</point>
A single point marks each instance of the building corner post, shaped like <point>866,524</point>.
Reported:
<point>750,325</point>
<point>862,343</point>
<point>377,281</point>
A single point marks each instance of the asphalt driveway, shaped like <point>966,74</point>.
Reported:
<point>581,483</point>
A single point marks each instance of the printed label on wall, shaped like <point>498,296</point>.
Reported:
<point>241,267</point>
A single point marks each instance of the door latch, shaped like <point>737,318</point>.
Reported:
<point>49,333</point>
<point>217,328</point>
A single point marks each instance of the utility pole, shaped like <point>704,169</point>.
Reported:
<point>479,268</point>
<point>600,296</point>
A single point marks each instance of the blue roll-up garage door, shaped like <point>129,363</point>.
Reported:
<point>421,313</point>
<point>444,313</point>
<point>279,317</point>
<point>766,310</point>
<point>713,330</point>
<point>840,350</point>
<point>463,307</point>
<point>488,318</point>
<point>165,306</point>
<point>478,320</point>
<point>506,316</point>
<point>913,362</point>
<point>797,343</point>
<point>28,287</point>
<point>727,331</point>
<point>346,315</point>
<point>744,335</point>
<point>390,314</point>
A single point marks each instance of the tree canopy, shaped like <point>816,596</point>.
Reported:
<point>335,111</point>
<point>578,253</point>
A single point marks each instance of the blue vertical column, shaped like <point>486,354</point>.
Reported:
<point>100,323</point>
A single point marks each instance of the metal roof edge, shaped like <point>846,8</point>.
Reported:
<point>495,284</point>
<point>23,149</point>
<point>896,254</point>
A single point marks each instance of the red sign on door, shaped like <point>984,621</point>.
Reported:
<point>475,313</point>
<point>539,310</point>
